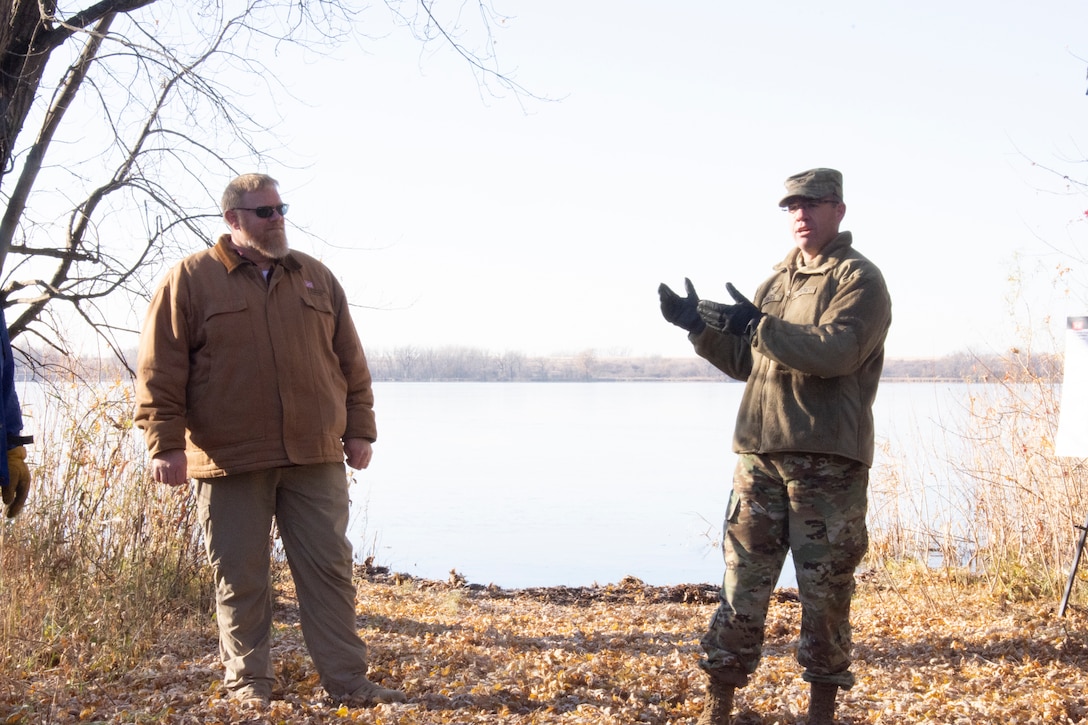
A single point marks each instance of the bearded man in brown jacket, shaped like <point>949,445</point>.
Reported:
<point>251,380</point>
<point>810,349</point>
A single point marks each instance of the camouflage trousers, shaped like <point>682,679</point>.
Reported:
<point>814,506</point>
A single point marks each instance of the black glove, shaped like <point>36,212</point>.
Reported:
<point>731,318</point>
<point>681,311</point>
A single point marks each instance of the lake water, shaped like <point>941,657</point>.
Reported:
<point>539,484</point>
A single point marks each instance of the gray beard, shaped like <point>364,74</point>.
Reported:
<point>271,248</point>
<point>276,251</point>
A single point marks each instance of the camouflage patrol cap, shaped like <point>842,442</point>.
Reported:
<point>813,184</point>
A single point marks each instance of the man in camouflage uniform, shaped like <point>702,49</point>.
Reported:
<point>810,348</point>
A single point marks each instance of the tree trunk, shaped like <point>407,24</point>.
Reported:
<point>22,62</point>
<point>29,33</point>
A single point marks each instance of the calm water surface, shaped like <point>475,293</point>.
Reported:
<point>538,484</point>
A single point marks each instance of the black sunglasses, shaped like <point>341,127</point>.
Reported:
<point>265,212</point>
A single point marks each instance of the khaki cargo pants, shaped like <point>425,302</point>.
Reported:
<point>814,506</point>
<point>310,505</point>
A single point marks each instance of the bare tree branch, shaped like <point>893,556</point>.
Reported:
<point>147,111</point>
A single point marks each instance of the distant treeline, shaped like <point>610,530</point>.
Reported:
<point>469,364</point>
<point>456,364</point>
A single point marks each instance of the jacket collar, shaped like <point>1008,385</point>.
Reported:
<point>830,256</point>
<point>224,252</point>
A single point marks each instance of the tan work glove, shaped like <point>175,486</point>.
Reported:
<point>18,487</point>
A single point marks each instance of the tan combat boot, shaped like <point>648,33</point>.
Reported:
<point>821,708</point>
<point>719,704</point>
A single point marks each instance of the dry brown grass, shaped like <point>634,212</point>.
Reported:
<point>982,487</point>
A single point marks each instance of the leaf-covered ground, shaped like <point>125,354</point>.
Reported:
<point>927,651</point>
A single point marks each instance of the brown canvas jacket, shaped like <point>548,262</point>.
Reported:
<point>246,374</point>
<point>813,362</point>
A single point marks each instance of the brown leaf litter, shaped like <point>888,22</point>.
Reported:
<point>928,650</point>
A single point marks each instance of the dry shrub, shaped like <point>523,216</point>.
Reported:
<point>102,560</point>
<point>991,499</point>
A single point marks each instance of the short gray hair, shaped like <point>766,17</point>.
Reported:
<point>244,184</point>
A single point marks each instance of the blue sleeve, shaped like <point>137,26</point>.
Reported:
<point>13,412</point>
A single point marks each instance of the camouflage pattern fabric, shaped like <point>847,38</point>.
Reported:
<point>813,505</point>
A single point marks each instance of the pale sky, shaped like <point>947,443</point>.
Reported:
<point>545,227</point>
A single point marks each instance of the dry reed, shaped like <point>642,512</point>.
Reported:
<point>102,560</point>
<point>990,498</point>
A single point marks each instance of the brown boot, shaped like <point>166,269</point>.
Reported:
<point>370,693</point>
<point>821,708</point>
<point>719,704</point>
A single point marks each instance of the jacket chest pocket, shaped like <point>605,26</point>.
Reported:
<point>319,317</point>
<point>224,325</point>
<point>801,305</point>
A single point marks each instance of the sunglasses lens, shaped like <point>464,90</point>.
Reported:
<point>266,212</point>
